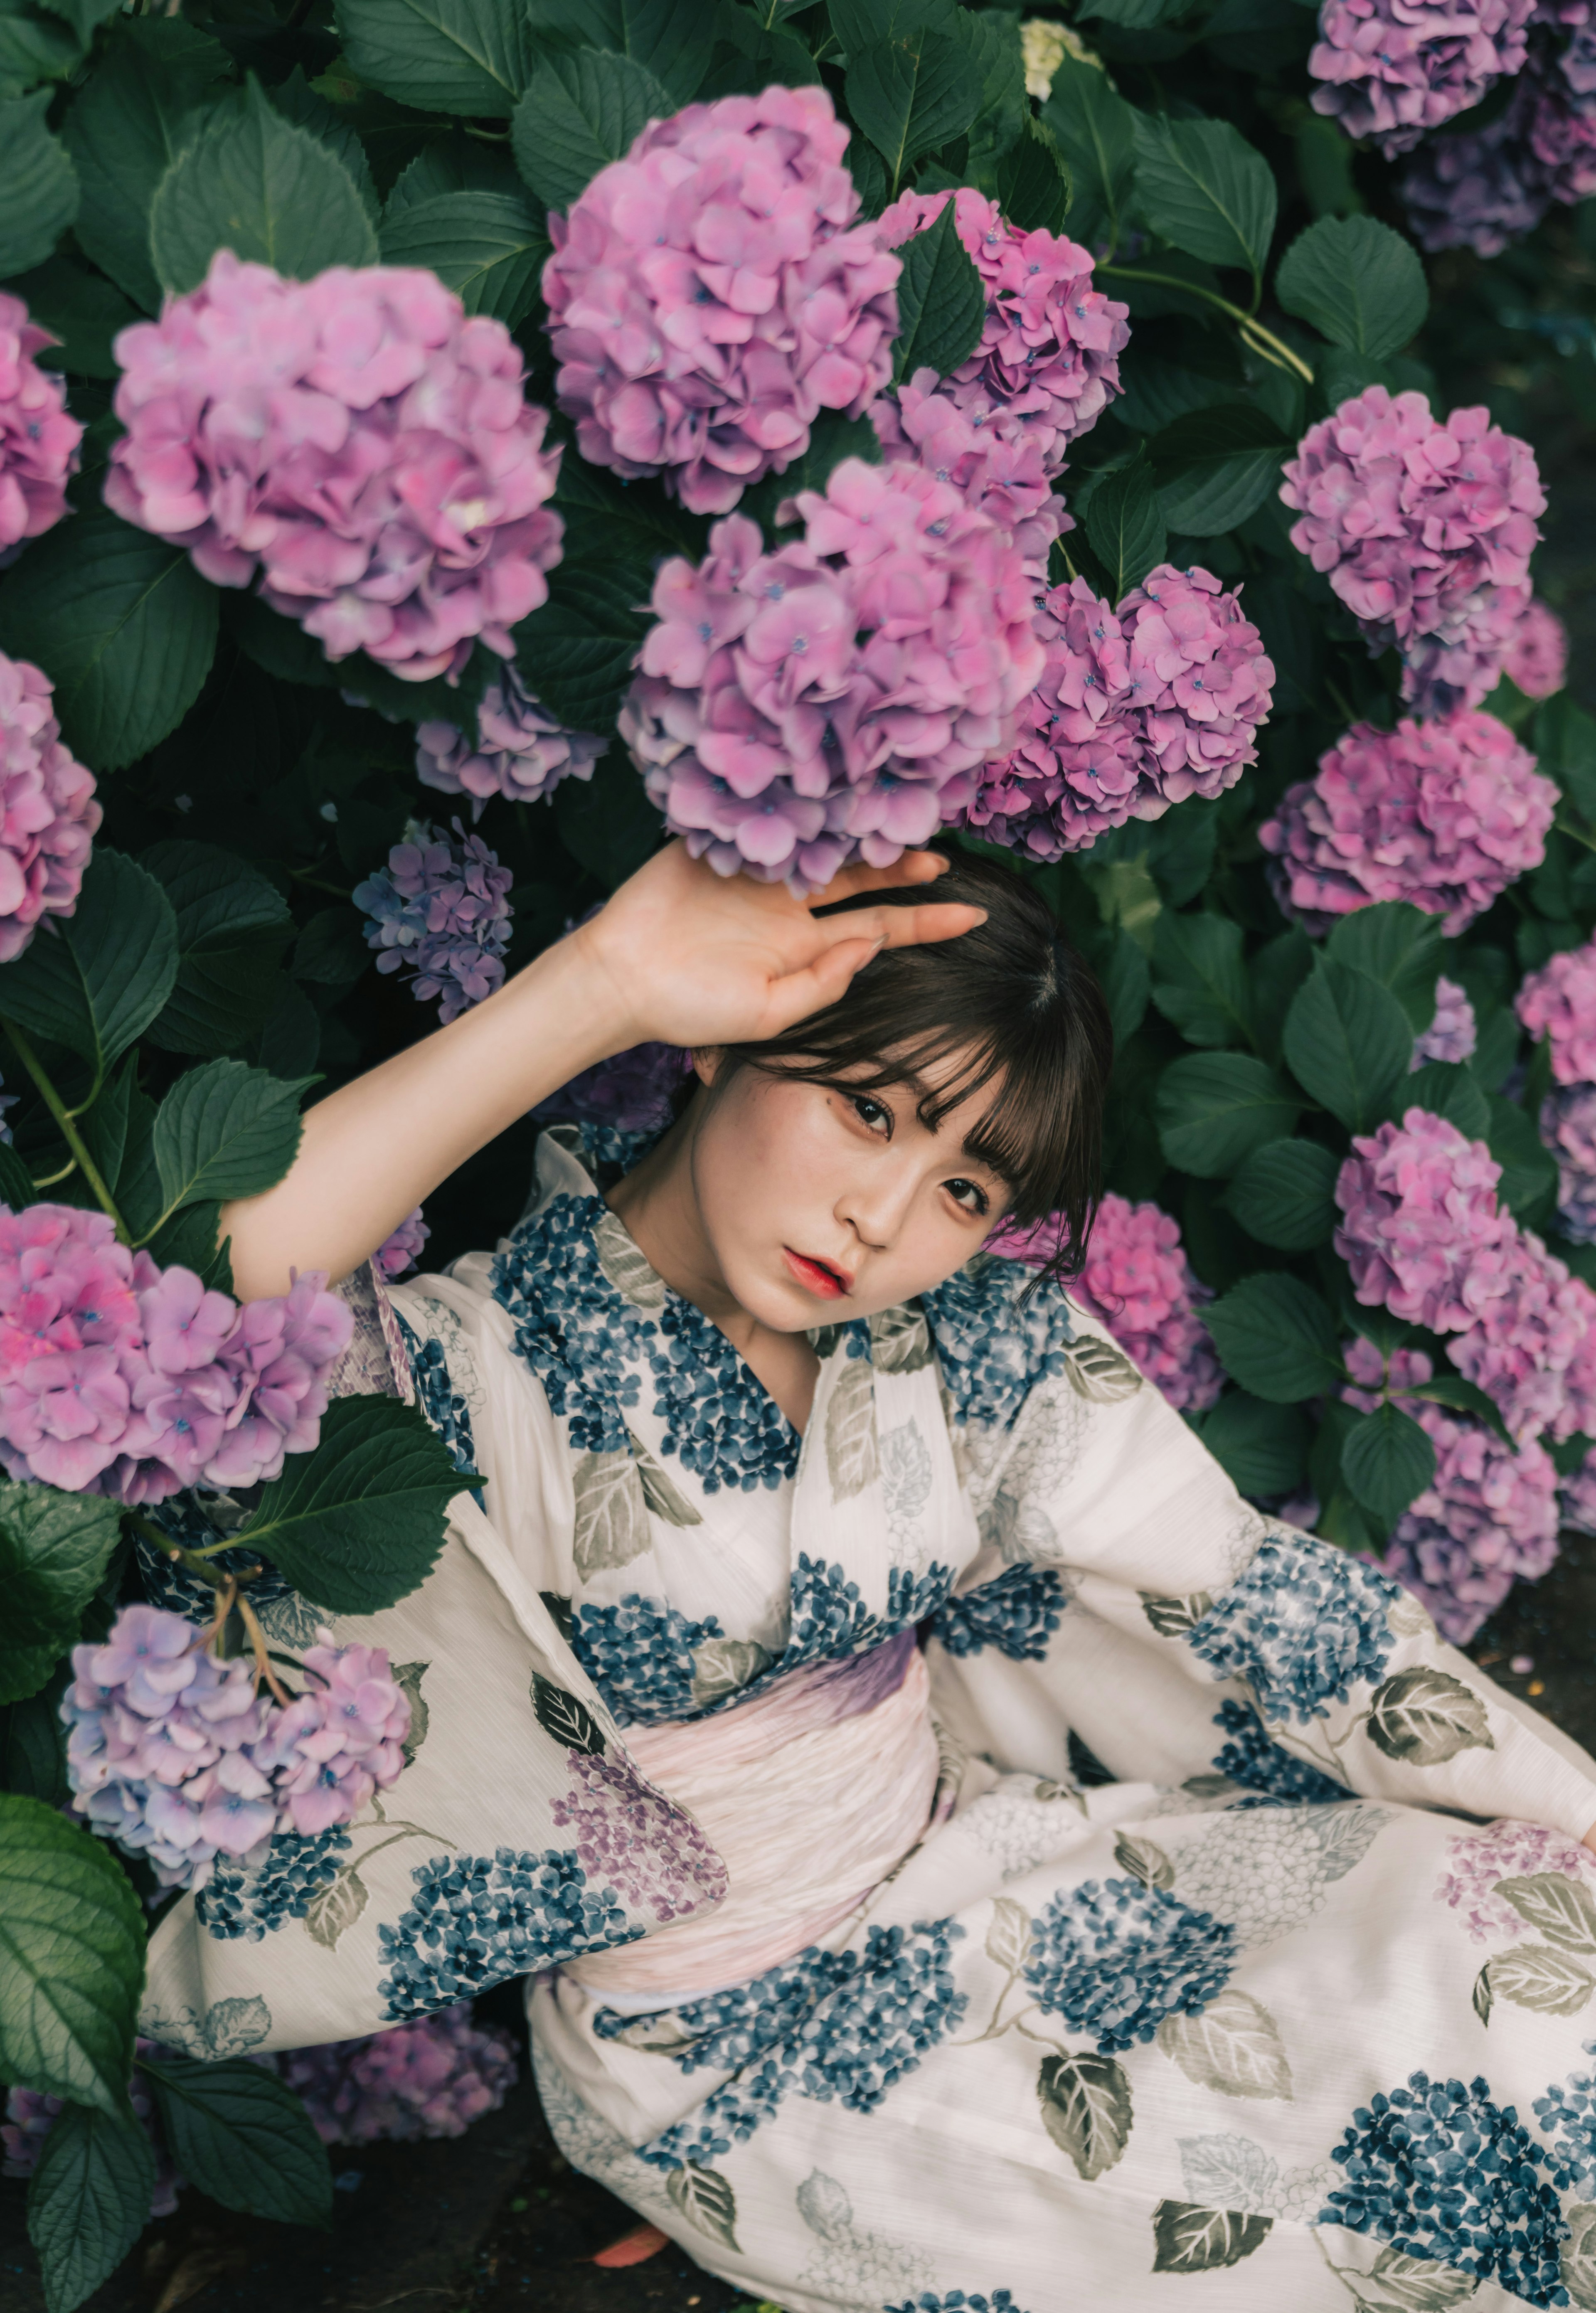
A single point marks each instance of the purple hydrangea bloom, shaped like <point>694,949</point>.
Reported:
<point>1568,1129</point>
<point>38,441</point>
<point>429,2078</point>
<point>441,911</point>
<point>1453,1033</point>
<point>1480,189</point>
<point>1538,657</point>
<point>631,1090</point>
<point>1528,1346</point>
<point>522,752</point>
<point>991,456</point>
<point>402,1250</point>
<point>337,1741</point>
<point>31,2115</point>
<point>1558,1002</point>
<point>48,816</point>
<point>1421,1228</point>
<point>1391,69</point>
<point>627,1838</point>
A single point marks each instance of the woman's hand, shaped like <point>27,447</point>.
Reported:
<point>688,957</point>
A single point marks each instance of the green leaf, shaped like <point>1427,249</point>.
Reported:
<point>1277,1337</point>
<point>941,302</point>
<point>142,103</point>
<point>1216,1108</point>
<point>16,1183</point>
<point>582,110</point>
<point>72,1960</point>
<point>1203,189</point>
<point>1565,749</point>
<point>1539,1977</point>
<point>1215,467</point>
<point>566,1717</point>
<point>38,187</point>
<point>706,2200</point>
<point>1262,1448</point>
<point>1033,185</point>
<point>1284,1195</point>
<point>124,626</point>
<point>1087,2110</point>
<point>1095,129</point>
<point>223,1131</point>
<point>608,823</point>
<point>1190,2240</point>
<point>80,308</point>
<point>577,650</point>
<point>488,248</point>
<point>911,97</point>
<point>1398,944</point>
<point>469,56</point>
<point>331,951</point>
<point>33,1761</point>
<point>674,39</point>
<point>1561,1910</point>
<point>33,47</point>
<point>1424,1717</point>
<point>88,2201</point>
<point>298,101</point>
<point>1529,1182</point>
<point>1446,1088</point>
<point>243,2136</point>
<point>358,1524</point>
<point>1347,1043</point>
<point>1126,529</point>
<point>1199,980</point>
<point>1462,1396</point>
<point>272,193</point>
<point>831,438</point>
<point>1386,1460</point>
<point>1359,284</point>
<point>455,163</point>
<point>1122,975</point>
<point>232,927</point>
<point>54,1549</point>
<point>93,980</point>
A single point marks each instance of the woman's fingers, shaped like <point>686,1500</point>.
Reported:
<point>797,994</point>
<point>857,936</point>
<point>934,920</point>
<point>913,867</point>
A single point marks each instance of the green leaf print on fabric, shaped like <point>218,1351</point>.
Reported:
<point>408,1677</point>
<point>1233,2045</point>
<point>1087,2110</point>
<point>230,2028</point>
<point>707,2200</point>
<point>1424,1717</point>
<point>1396,2282</point>
<point>1536,1976</point>
<point>1100,1371</point>
<point>1481,1997</point>
<point>722,1665</point>
<point>1577,2270</point>
<point>1189,2239</point>
<point>1228,2172</point>
<point>664,1497</point>
<point>1560,1909</point>
<point>1008,1939</point>
<point>851,1454</point>
<point>623,1265</point>
<point>1144,1861</point>
<point>570,1722</point>
<point>335,1908</point>
<point>1171,1618</point>
<point>900,1340</point>
<point>612,1525</point>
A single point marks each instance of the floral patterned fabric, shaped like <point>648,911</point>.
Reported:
<point>1298,2007</point>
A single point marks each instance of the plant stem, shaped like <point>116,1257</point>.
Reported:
<point>1254,334</point>
<point>1562,827</point>
<point>69,1131</point>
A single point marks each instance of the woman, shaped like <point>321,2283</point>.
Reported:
<point>848,1964</point>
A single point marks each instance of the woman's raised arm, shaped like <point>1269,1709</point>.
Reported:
<point>679,953</point>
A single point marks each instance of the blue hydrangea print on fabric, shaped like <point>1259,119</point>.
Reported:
<point>722,1422</point>
<point>1303,1625</point>
<point>253,1899</point>
<point>829,1615</point>
<point>584,1341</point>
<point>1114,1958</point>
<point>992,1347</point>
<point>1567,2114</point>
<point>956,2301</point>
<point>865,2027</point>
<point>173,1588</point>
<point>731,2027</point>
<point>639,1655</point>
<point>1249,1757</point>
<point>1437,2170</point>
<point>477,1919</point>
<point>1018,1614</point>
<point>448,1413</point>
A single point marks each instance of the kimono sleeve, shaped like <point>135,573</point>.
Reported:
<point>1133,1595</point>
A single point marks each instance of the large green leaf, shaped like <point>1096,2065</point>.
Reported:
<point>1203,187</point>
<point>1386,1460</point>
<point>144,101</point>
<point>1277,1339</point>
<point>1284,1195</point>
<point>1125,526</point>
<point>1262,1448</point>
<point>1446,1088</point>
<point>469,56</point>
<point>1361,284</point>
<point>1529,1182</point>
<point>243,2136</point>
<point>358,1524</point>
<point>72,1960</point>
<point>54,1549</point>
<point>1095,129</point>
<point>1215,467</point>
<point>93,980</point>
<point>38,187</point>
<point>1216,1108</point>
<point>1398,944</point>
<point>488,248</point>
<point>607,822</point>
<point>232,927</point>
<point>673,39</point>
<point>458,163</point>
<point>80,308</point>
<point>299,103</point>
<point>1565,749</point>
<point>582,110</point>
<point>941,302</point>
<point>89,2202</point>
<point>1199,980</point>
<point>272,193</point>
<point>1347,1043</point>
<point>124,626</point>
<point>34,46</point>
<point>1033,183</point>
<point>912,96</point>
<point>577,651</point>
<point>225,1131</point>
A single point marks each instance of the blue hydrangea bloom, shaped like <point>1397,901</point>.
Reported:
<point>1018,1614</point>
<point>724,1425</point>
<point>956,2301</point>
<point>639,1655</point>
<point>1303,1625</point>
<point>477,1919</point>
<point>448,1413</point>
<point>1250,1757</point>
<point>251,1899</point>
<point>1114,1958</point>
<point>1567,2114</point>
<point>1438,2170</point>
<point>584,1341</point>
<point>992,1347</point>
<point>829,1615</point>
<point>173,1588</point>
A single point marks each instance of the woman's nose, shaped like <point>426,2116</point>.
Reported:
<point>876,1209</point>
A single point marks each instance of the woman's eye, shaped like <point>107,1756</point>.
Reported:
<point>876,1113</point>
<point>966,1193</point>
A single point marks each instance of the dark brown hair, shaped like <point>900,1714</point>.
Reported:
<point>1011,1000</point>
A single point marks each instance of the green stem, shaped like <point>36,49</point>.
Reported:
<point>51,1180</point>
<point>69,1131</point>
<point>1562,827</point>
<point>313,883</point>
<point>1253,332</point>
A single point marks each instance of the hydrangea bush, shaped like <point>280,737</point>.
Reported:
<point>814,456</point>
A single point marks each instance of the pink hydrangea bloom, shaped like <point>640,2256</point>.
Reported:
<point>1558,1002</point>
<point>31,2115</point>
<point>1465,664</point>
<point>631,1090</point>
<point>1377,1374</point>
<point>712,293</point>
<point>1526,1339</point>
<point>1477,1861</point>
<point>985,452</point>
<point>1479,189</point>
<point>1579,1497</point>
<point>38,440</point>
<point>1200,684</point>
<point>1444,814</point>
<point>1137,1281</point>
<point>1488,1519</point>
<point>1538,657</point>
<point>358,440</point>
<point>1391,69</point>
<point>338,1741</point>
<point>1568,1129</point>
<point>1453,1033</point>
<point>1414,520</point>
<point>834,700</point>
<point>522,752</point>
<point>1421,1229</point>
<point>402,1250</point>
<point>441,911</point>
<point>430,2078</point>
<point>48,816</point>
<point>627,1838</point>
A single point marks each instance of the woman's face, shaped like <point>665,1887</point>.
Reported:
<point>821,1204</point>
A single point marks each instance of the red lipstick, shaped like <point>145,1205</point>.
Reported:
<point>817,1277</point>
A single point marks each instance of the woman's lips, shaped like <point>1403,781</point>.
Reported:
<point>815,1276</point>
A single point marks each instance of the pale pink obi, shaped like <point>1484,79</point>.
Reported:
<point>810,1794</point>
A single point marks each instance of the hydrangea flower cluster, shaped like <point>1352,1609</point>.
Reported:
<point>31,2115</point>
<point>1391,69</point>
<point>1114,1958</point>
<point>1488,1520</point>
<point>48,817</point>
<point>174,1755</point>
<point>402,1250</point>
<point>1558,1002</point>
<point>430,2078</point>
<point>521,752</point>
<point>1425,530</point>
<point>1568,1129</point>
<point>712,293</point>
<point>1453,1031</point>
<point>1135,710</point>
<point>986,453</point>
<point>117,1377</point>
<point>836,698</point>
<point>1421,1229</point>
<point>1443,815</point>
<point>359,440</point>
<point>440,911</point>
<point>1536,660</point>
<point>38,441</point>
<point>1530,1348</point>
<point>1477,1861</point>
<point>631,1090</point>
<point>1490,186</point>
<point>627,1838</point>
